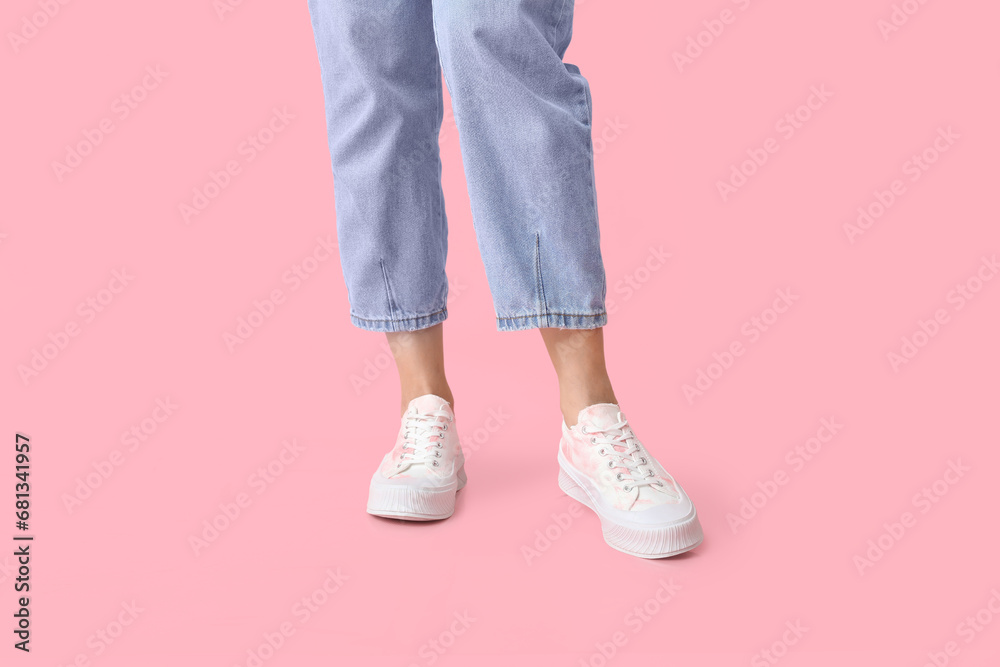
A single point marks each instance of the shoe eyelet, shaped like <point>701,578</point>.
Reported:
<point>437,455</point>
<point>627,488</point>
<point>643,461</point>
<point>619,477</point>
<point>660,484</point>
<point>602,451</point>
<point>593,441</point>
<point>444,427</point>
<point>611,463</point>
<point>583,429</point>
<point>439,445</point>
<point>434,463</point>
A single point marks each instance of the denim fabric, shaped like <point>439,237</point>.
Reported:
<point>524,122</point>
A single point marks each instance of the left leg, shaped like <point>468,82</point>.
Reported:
<point>578,358</point>
<point>524,123</point>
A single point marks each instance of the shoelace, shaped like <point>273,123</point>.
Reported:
<point>631,458</point>
<point>417,446</point>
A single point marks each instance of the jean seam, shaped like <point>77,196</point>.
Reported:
<point>398,321</point>
<point>388,292</point>
<point>526,317</point>
<point>539,285</point>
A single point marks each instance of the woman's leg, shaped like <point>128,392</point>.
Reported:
<point>524,123</point>
<point>420,361</point>
<point>578,358</point>
<point>384,106</point>
<point>382,86</point>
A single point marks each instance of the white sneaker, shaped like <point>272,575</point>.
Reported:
<point>418,479</point>
<point>643,510</point>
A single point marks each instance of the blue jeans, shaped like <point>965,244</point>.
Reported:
<point>524,123</point>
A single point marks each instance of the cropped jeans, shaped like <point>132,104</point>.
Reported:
<point>524,123</point>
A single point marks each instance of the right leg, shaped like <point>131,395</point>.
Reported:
<point>419,359</point>
<point>382,87</point>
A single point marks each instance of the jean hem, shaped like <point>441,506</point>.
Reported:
<point>552,321</point>
<point>400,324</point>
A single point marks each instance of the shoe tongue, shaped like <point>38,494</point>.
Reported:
<point>599,417</point>
<point>428,404</point>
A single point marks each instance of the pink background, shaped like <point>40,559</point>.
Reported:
<point>665,137</point>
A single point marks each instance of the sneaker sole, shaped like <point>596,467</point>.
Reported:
<point>635,540</point>
<point>395,502</point>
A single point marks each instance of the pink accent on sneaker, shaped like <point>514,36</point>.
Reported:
<point>643,510</point>
<point>419,477</point>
